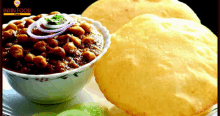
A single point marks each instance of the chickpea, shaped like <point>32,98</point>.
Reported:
<point>23,31</point>
<point>41,46</point>
<point>33,40</point>
<point>9,34</point>
<point>75,40</point>
<point>18,22</point>
<point>59,52</point>
<point>65,62</point>
<point>20,26</point>
<point>11,26</point>
<point>36,17</point>
<point>60,66</point>
<point>16,51</point>
<point>29,57</point>
<point>22,38</point>
<point>86,26</point>
<point>73,64</point>
<point>37,32</point>
<point>77,30</point>
<point>87,40</point>
<point>28,22</point>
<point>88,55</point>
<point>40,61</point>
<point>52,42</point>
<point>63,39</point>
<point>68,58</point>
<point>50,68</point>
<point>69,47</point>
<point>54,12</point>
<point>49,50</point>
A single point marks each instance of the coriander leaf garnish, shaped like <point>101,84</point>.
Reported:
<point>55,20</point>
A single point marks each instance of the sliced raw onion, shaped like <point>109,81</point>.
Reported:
<point>29,29</point>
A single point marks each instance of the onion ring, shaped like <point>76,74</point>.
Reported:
<point>45,37</point>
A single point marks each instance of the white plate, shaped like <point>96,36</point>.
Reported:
<point>15,105</point>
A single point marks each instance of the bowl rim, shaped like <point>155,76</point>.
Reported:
<point>107,42</point>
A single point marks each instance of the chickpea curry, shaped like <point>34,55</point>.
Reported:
<point>32,47</point>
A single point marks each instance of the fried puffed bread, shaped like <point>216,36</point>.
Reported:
<point>113,14</point>
<point>160,67</point>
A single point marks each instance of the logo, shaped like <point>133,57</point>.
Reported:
<point>16,11</point>
<point>17,3</point>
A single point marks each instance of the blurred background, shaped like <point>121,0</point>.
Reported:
<point>207,11</point>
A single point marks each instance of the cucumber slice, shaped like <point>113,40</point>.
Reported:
<point>73,113</point>
<point>92,108</point>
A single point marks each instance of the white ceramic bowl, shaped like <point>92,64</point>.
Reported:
<point>58,87</point>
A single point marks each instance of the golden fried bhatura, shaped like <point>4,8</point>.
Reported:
<point>160,66</point>
<point>113,14</point>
